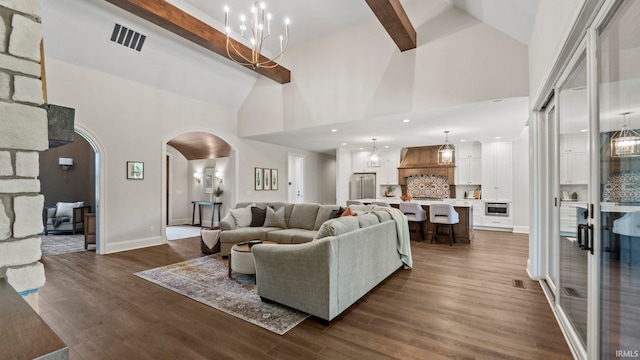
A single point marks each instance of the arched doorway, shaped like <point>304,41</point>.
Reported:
<point>199,170</point>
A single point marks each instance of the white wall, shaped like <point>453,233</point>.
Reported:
<point>359,73</point>
<point>520,204</point>
<point>553,24</point>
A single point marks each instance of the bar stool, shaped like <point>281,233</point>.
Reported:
<point>381,203</point>
<point>443,215</point>
<point>414,213</point>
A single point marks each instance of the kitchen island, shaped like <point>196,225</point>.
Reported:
<point>463,230</point>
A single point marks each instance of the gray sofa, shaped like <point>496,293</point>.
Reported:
<point>349,257</point>
<point>301,224</point>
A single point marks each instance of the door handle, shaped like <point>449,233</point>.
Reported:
<point>580,229</point>
<point>585,243</point>
<point>590,245</point>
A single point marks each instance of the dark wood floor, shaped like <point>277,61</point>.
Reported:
<point>457,302</point>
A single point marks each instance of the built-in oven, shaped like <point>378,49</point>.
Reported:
<point>496,209</point>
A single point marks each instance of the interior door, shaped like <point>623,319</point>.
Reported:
<point>295,179</point>
<point>553,237</point>
<point>572,121</point>
<point>618,170</point>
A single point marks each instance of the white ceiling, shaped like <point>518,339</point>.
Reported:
<point>171,63</point>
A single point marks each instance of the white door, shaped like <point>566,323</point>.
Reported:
<point>295,179</point>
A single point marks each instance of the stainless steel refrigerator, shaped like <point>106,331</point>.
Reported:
<point>363,186</point>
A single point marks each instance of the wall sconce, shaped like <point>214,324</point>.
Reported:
<point>65,164</point>
<point>219,176</point>
<point>197,176</point>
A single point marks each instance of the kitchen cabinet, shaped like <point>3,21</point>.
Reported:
<point>574,160</point>
<point>469,165</point>
<point>497,171</point>
<point>388,170</point>
<point>568,217</point>
<point>360,162</point>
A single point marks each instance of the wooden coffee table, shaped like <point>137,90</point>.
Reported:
<point>241,259</point>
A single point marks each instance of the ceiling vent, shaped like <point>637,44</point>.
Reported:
<point>127,37</point>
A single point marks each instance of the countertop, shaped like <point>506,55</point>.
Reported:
<point>396,200</point>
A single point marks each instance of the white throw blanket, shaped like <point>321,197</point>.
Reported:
<point>402,228</point>
<point>210,237</point>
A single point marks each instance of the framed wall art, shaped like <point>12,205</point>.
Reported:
<point>135,170</point>
<point>274,179</point>
<point>266,174</point>
<point>258,179</point>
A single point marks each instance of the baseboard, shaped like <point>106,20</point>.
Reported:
<point>184,221</point>
<point>133,244</point>
<point>521,229</point>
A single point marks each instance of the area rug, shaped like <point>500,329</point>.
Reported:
<point>61,244</point>
<point>182,231</point>
<point>206,280</point>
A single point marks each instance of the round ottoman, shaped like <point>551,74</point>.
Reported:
<point>241,258</point>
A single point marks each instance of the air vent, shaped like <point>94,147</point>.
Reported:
<point>572,292</point>
<point>127,37</point>
<point>518,283</point>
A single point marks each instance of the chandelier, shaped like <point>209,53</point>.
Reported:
<point>626,142</point>
<point>258,31</point>
<point>445,153</point>
<point>374,157</point>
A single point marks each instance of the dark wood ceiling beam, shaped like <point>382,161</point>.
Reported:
<point>395,20</point>
<point>181,23</point>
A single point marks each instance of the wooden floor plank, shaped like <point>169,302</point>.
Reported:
<point>457,302</point>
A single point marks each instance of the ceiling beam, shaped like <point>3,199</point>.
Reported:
<point>395,20</point>
<point>183,24</point>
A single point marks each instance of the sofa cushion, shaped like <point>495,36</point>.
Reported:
<point>275,218</point>
<point>336,213</point>
<point>257,216</point>
<point>245,234</point>
<point>303,216</point>
<point>341,225</point>
<point>288,236</point>
<point>287,210</point>
<point>324,214</point>
<point>348,212</point>
<point>242,216</point>
<point>382,215</point>
<point>367,220</point>
<point>66,208</point>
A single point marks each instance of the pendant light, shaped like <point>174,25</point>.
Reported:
<point>374,157</point>
<point>626,142</point>
<point>446,151</point>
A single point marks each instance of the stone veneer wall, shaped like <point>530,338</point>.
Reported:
<point>23,132</point>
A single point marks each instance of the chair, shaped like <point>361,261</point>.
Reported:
<point>415,213</point>
<point>381,203</point>
<point>443,215</point>
<point>354,202</point>
<point>65,216</point>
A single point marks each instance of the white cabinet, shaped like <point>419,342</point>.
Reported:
<point>497,171</point>
<point>478,212</point>
<point>574,160</point>
<point>497,222</point>
<point>469,165</point>
<point>568,217</point>
<point>387,172</point>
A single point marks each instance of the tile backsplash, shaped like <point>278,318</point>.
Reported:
<point>428,186</point>
<point>622,187</point>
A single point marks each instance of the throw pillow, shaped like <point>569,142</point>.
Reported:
<point>257,216</point>
<point>336,213</point>
<point>242,216</point>
<point>349,212</point>
<point>64,209</point>
<point>275,218</point>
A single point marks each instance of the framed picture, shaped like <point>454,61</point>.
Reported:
<point>258,179</point>
<point>135,170</point>
<point>274,179</point>
<point>266,174</point>
<point>208,176</point>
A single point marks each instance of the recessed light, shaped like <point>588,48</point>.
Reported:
<point>463,140</point>
<point>497,137</point>
<point>386,146</point>
<point>406,120</point>
<point>334,130</point>
<point>344,144</point>
<point>584,130</point>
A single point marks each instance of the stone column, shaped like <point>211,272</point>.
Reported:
<point>23,132</point>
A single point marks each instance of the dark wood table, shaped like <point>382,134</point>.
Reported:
<point>205,203</point>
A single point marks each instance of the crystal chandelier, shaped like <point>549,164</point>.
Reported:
<point>258,31</point>
<point>374,157</point>
<point>445,153</point>
<point>626,142</point>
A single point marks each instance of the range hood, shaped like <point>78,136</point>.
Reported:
<point>423,160</point>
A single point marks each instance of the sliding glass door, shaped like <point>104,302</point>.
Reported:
<point>618,145</point>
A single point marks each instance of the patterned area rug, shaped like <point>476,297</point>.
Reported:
<point>206,280</point>
<point>61,244</point>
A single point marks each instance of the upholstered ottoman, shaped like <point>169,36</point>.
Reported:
<point>241,257</point>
